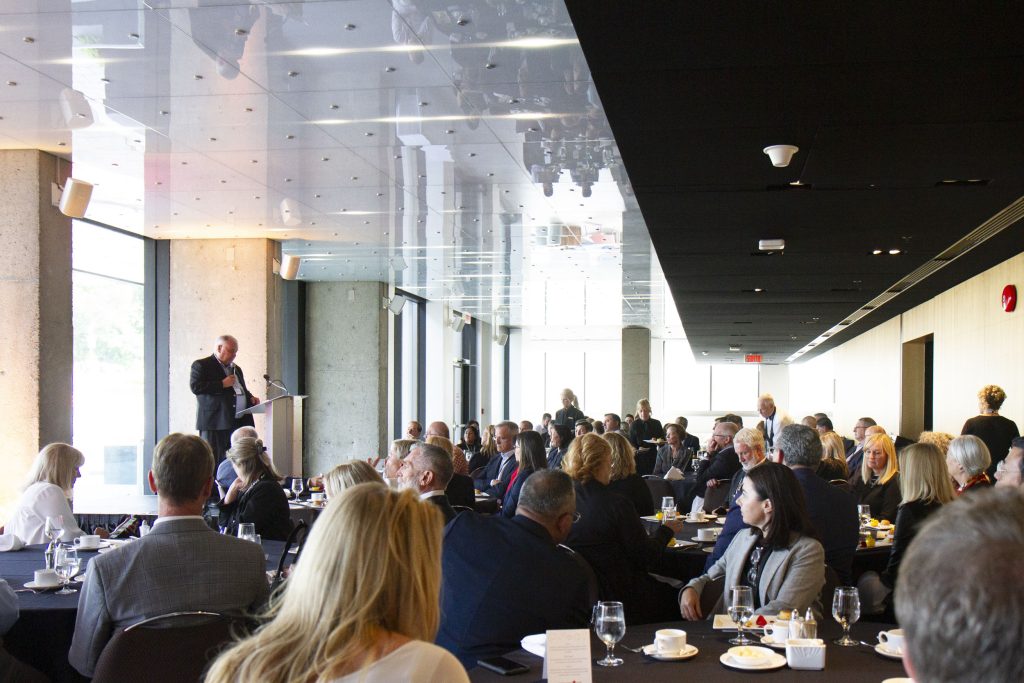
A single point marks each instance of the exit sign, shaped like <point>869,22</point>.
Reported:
<point>752,358</point>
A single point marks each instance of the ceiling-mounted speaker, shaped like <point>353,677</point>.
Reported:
<point>290,266</point>
<point>396,304</point>
<point>74,198</point>
<point>502,336</point>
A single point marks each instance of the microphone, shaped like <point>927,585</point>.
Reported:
<point>275,383</point>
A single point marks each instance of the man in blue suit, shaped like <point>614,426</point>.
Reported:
<point>833,512</point>
<point>503,579</point>
<point>499,470</point>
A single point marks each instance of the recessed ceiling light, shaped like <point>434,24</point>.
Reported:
<point>894,252</point>
<point>389,69</point>
<point>293,74</point>
<point>350,27</point>
<point>758,289</point>
<point>198,77</point>
<point>240,31</point>
<point>876,252</point>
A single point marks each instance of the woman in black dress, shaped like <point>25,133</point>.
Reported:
<point>256,495</point>
<point>645,428</point>
<point>995,430</point>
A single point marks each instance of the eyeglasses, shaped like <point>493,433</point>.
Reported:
<point>576,517</point>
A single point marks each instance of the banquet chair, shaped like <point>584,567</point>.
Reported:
<point>842,484</point>
<point>659,488</point>
<point>716,498</point>
<point>171,648</point>
<point>710,596</point>
<point>296,539</point>
<point>593,587</point>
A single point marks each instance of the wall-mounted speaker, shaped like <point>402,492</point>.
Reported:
<point>290,266</point>
<point>456,322</point>
<point>74,199</point>
<point>396,304</point>
<point>502,336</point>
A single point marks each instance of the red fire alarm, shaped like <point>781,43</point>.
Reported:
<point>1009,298</point>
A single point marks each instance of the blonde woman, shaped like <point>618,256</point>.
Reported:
<point>625,481</point>
<point>46,494</point>
<point>457,456</point>
<point>925,487</point>
<point>940,439</point>
<point>995,430</point>
<point>570,410</point>
<point>256,495</point>
<point>643,434</point>
<point>348,474</point>
<point>489,447</point>
<point>880,478</point>
<point>361,606</point>
<point>833,458</point>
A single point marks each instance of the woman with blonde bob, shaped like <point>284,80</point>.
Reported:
<point>880,478</point>
<point>46,494</point>
<point>625,481</point>
<point>256,495</point>
<point>968,459</point>
<point>348,474</point>
<point>925,487</point>
<point>833,458</point>
<point>361,606</point>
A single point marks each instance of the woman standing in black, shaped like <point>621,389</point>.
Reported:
<point>644,429</point>
<point>995,430</point>
<point>570,411</point>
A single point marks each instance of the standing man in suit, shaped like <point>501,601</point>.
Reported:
<point>220,390</point>
<point>427,470</point>
<point>179,566</point>
<point>855,453</point>
<point>774,419</point>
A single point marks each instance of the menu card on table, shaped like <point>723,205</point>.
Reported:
<point>567,656</point>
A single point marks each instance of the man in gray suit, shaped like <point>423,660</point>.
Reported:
<point>180,565</point>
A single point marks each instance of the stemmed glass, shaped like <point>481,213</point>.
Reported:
<point>297,486</point>
<point>846,610</point>
<point>741,608</point>
<point>52,529</point>
<point>610,626</point>
<point>67,564</point>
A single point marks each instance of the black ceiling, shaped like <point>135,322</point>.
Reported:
<point>885,101</point>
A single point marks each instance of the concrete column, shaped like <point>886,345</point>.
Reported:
<point>636,366</point>
<point>35,316</point>
<point>346,373</point>
<point>222,287</point>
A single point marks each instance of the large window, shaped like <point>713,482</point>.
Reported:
<point>109,368</point>
<point>409,363</point>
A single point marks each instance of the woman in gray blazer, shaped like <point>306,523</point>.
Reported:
<point>776,556</point>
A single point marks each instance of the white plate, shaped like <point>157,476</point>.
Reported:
<point>36,587</point>
<point>687,652</point>
<point>880,649</point>
<point>880,527</point>
<point>898,680</point>
<point>535,644</point>
<point>709,549</point>
<point>767,640</point>
<point>775,661</point>
<point>722,622</point>
<point>698,539</point>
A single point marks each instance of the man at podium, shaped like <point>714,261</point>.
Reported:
<point>220,390</point>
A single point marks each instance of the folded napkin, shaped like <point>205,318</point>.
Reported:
<point>673,474</point>
<point>10,542</point>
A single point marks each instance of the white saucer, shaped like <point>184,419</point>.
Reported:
<point>775,661</point>
<point>687,652</point>
<point>701,540</point>
<point>36,587</point>
<point>885,652</point>
<point>709,549</point>
<point>101,546</point>
<point>770,642</point>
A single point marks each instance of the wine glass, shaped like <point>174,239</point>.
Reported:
<point>741,608</point>
<point>846,610</point>
<point>67,564</point>
<point>297,486</point>
<point>54,527</point>
<point>610,627</point>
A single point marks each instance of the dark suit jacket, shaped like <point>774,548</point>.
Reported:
<point>265,505</point>
<point>833,513</point>
<point>494,470</point>
<point>854,458</point>
<point>691,441</point>
<point>722,465</point>
<point>733,521</point>
<point>511,500</point>
<point>460,491</point>
<point>215,405</point>
<point>503,579</point>
<point>444,506</point>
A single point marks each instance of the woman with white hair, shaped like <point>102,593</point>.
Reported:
<point>968,459</point>
<point>361,606</point>
<point>46,494</point>
<point>256,495</point>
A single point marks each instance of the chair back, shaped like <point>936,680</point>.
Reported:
<point>842,484</point>
<point>832,582</point>
<point>710,596</point>
<point>171,648</point>
<point>716,497</point>
<point>296,539</point>
<point>659,488</point>
<point>593,587</point>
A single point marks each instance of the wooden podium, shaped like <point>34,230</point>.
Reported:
<point>283,427</point>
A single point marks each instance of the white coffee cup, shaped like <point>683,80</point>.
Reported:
<point>891,640</point>
<point>46,577</point>
<point>705,534</point>
<point>695,516</point>
<point>89,541</point>
<point>670,640</point>
<point>780,631</point>
<point>317,498</point>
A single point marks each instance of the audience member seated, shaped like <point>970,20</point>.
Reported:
<point>440,429</point>
<point>1010,471</point>
<point>488,446</point>
<point>832,511</point>
<point>823,423</point>
<point>53,475</point>
<point>225,470</point>
<point>427,471</point>
<point>689,440</point>
<point>833,458</point>
<point>625,481</point>
<point>398,452</point>
<point>559,437</point>
<point>925,487</point>
<point>777,557</point>
<point>995,430</point>
<point>362,605</point>
<point>486,608</point>
<point>180,565</point>
<point>529,455</point>
<point>471,446</point>
<point>718,469</point>
<point>611,537</point>
<point>879,484</point>
<point>597,427</point>
<point>613,423</point>
<point>749,447</point>
<point>495,477</point>
<point>526,426</point>
<point>672,453</point>
<point>256,495</point>
<point>855,452</point>
<point>460,487</point>
<point>445,444</point>
<point>958,596</point>
<point>940,439</point>
<point>584,425</point>
<point>347,475</point>
<point>968,460</point>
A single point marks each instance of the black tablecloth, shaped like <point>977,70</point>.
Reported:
<point>842,664</point>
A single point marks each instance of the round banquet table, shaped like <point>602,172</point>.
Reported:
<point>842,664</point>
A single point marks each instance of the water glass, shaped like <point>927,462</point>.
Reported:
<point>247,531</point>
<point>610,626</point>
<point>67,564</point>
<point>741,608</point>
<point>864,511</point>
<point>668,508</point>
<point>846,610</point>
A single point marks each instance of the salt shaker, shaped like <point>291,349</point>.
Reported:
<point>796,626</point>
<point>810,625</point>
